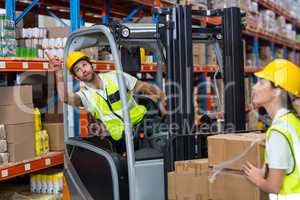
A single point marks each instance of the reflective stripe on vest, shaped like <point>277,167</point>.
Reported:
<point>284,197</point>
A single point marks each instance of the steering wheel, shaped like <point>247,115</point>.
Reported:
<point>151,106</point>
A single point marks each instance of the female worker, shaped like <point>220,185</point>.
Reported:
<point>276,90</point>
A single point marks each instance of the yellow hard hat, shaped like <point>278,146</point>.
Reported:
<point>282,73</point>
<point>73,58</point>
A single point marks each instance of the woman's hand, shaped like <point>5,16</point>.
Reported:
<point>254,174</point>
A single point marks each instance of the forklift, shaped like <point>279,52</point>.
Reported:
<point>92,169</point>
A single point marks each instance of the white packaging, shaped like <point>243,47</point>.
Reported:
<point>3,146</point>
<point>40,53</point>
<point>2,132</point>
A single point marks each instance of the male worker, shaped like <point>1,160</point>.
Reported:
<point>100,93</point>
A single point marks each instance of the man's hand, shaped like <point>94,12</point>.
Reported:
<point>55,62</point>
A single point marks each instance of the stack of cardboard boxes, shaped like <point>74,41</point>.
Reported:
<point>204,54</point>
<point>16,114</point>
<point>193,179</point>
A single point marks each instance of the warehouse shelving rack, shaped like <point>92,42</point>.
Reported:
<point>11,170</point>
<point>79,11</point>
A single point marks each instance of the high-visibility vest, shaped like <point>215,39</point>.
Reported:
<point>109,110</point>
<point>289,126</point>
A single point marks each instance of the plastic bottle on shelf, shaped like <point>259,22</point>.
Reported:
<point>38,143</point>
<point>37,120</point>
<point>44,184</point>
<point>50,186</point>
<point>60,181</point>
<point>33,183</point>
<point>38,183</point>
<point>45,142</point>
<point>56,184</point>
<point>142,52</point>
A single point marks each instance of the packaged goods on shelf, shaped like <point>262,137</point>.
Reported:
<point>248,93</point>
<point>41,142</point>
<point>220,4</point>
<point>48,182</point>
<point>201,3</point>
<point>37,120</point>
<point>267,21</point>
<point>38,143</point>
<point>8,41</point>
<point>265,55</point>
<point>3,146</point>
<point>199,54</point>
<point>279,53</point>
<point>281,25</point>
<point>45,138</point>
<point>211,55</point>
<point>4,157</point>
<point>2,132</point>
<point>33,43</point>
<point>298,38</point>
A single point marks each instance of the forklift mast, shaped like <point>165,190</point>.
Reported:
<point>180,32</point>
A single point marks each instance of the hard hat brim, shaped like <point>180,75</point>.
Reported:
<point>260,74</point>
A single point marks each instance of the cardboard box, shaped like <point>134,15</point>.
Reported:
<point>21,151</point>
<point>231,185</point>
<point>20,133</point>
<point>211,55</point>
<point>199,54</point>
<point>56,135</point>
<point>226,147</point>
<point>171,186</point>
<point>191,180</point>
<point>15,95</point>
<point>14,114</point>
<point>196,167</point>
<point>21,141</point>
